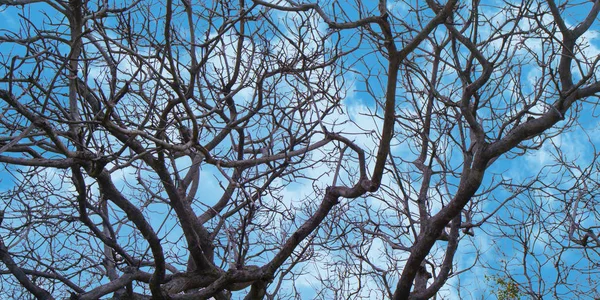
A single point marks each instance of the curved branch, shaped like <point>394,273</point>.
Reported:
<point>20,275</point>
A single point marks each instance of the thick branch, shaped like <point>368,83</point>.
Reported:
<point>37,291</point>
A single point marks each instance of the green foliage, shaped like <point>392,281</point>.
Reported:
<point>505,288</point>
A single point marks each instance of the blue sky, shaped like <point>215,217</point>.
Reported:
<point>490,251</point>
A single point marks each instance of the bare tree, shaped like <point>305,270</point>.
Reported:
<point>152,148</point>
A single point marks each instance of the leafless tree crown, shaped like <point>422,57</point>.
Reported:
<point>279,149</point>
